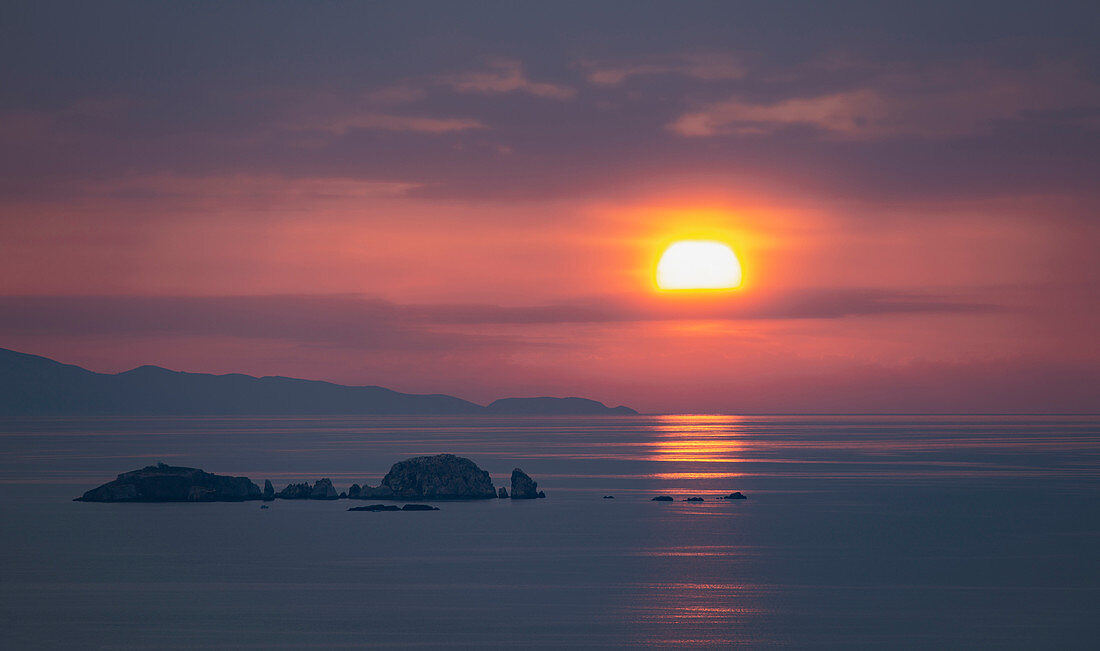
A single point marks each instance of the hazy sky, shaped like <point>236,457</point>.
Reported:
<point>469,198</point>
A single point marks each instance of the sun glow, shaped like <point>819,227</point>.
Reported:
<point>698,264</point>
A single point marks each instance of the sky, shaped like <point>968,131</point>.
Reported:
<point>471,198</point>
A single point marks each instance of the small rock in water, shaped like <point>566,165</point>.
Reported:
<point>694,499</point>
<point>419,507</point>
<point>609,497</point>
<point>264,506</point>
<point>733,496</point>
<point>376,507</point>
<point>502,493</point>
<point>523,487</point>
<point>662,498</point>
<point>269,491</point>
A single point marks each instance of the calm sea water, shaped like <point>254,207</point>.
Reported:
<point>858,532</point>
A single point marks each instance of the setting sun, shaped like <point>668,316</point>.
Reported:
<point>698,264</point>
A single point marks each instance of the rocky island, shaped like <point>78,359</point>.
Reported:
<point>437,477</point>
<point>164,483</point>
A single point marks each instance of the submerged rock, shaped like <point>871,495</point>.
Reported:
<point>733,496</point>
<point>164,483</point>
<point>502,493</point>
<point>264,506</point>
<point>438,477</point>
<point>609,497</point>
<point>662,498</point>
<point>269,491</point>
<point>523,487</point>
<point>394,507</point>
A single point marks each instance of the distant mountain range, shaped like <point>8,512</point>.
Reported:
<point>31,385</point>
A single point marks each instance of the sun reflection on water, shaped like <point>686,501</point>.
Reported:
<point>716,614</point>
<point>687,603</point>
<point>698,439</point>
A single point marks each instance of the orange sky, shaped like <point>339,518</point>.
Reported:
<point>917,231</point>
<point>826,299</point>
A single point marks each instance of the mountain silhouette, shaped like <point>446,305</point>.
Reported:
<point>31,385</point>
<point>554,406</point>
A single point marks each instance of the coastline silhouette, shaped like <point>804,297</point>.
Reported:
<point>32,385</point>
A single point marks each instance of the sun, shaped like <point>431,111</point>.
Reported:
<point>698,264</point>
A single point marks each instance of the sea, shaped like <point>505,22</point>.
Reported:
<point>859,532</point>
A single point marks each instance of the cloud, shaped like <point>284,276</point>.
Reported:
<point>395,94</point>
<point>715,66</point>
<point>854,114</point>
<point>340,125</point>
<point>58,123</point>
<point>373,110</point>
<point>796,304</point>
<point>394,107</point>
<point>371,323</point>
<point>241,192</point>
<point>1012,385</point>
<point>505,76</point>
<point>364,324</point>
<point>931,102</point>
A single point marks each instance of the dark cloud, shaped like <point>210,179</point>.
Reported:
<point>346,321</point>
<point>799,304</point>
<point>375,324</point>
<point>538,100</point>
